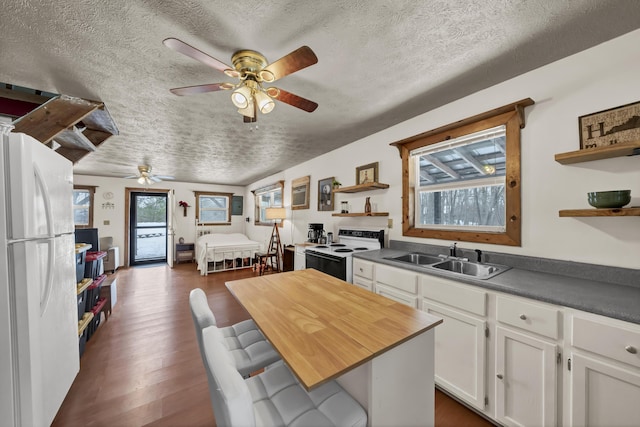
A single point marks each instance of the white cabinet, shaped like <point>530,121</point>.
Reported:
<point>397,284</point>
<point>460,341</point>
<point>526,362</point>
<point>363,274</point>
<point>526,379</point>
<point>603,373</point>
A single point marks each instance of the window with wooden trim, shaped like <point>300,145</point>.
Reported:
<point>83,196</point>
<point>213,208</point>
<point>269,196</point>
<point>462,181</point>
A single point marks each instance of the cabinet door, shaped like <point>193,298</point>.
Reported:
<point>526,383</point>
<point>396,295</point>
<point>603,393</point>
<point>460,354</point>
<point>363,283</point>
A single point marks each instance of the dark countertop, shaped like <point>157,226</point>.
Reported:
<point>604,298</point>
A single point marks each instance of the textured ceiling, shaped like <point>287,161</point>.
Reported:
<point>380,63</point>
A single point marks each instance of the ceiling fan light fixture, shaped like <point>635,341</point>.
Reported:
<point>266,76</point>
<point>241,97</point>
<point>249,110</point>
<point>264,102</point>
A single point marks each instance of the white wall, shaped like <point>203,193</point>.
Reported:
<point>602,77</point>
<point>184,226</point>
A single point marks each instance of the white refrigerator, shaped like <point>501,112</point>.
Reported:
<point>39,356</point>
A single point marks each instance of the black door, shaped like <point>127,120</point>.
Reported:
<point>148,228</point>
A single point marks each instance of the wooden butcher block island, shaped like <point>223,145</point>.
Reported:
<point>325,328</point>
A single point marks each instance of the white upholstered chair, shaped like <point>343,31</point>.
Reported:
<point>249,348</point>
<point>273,397</point>
<point>112,261</point>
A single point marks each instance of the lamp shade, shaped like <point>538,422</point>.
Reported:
<point>276,213</point>
<point>241,96</point>
<point>265,103</point>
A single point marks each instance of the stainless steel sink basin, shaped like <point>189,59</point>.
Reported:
<point>468,268</point>
<point>417,259</point>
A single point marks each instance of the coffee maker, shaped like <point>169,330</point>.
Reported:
<point>316,231</point>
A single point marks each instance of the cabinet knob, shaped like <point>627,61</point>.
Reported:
<point>361,269</point>
<point>631,349</point>
<point>499,376</point>
<point>523,317</point>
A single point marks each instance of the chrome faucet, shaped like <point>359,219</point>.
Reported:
<point>479,252</point>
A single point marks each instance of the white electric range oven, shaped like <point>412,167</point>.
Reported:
<point>336,259</point>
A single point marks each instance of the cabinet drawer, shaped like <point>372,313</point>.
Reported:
<point>363,283</point>
<point>451,293</point>
<point>397,278</point>
<point>396,295</point>
<point>362,268</point>
<point>617,341</point>
<point>529,316</point>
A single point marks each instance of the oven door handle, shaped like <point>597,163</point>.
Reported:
<point>323,256</point>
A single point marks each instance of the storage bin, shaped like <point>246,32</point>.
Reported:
<point>80,265</point>
<point>95,322</point>
<point>93,264</point>
<point>81,290</point>
<point>82,330</point>
<point>93,292</point>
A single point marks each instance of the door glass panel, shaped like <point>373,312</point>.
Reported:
<point>148,228</point>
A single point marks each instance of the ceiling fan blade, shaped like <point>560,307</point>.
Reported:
<point>165,177</point>
<point>295,61</point>
<point>192,52</point>
<point>154,178</point>
<point>131,176</point>
<point>291,99</point>
<point>193,90</point>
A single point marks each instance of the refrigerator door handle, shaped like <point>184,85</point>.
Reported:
<point>46,292</point>
<point>45,197</point>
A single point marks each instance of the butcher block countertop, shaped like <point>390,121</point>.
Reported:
<point>322,326</point>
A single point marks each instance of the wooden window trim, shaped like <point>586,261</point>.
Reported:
<point>512,116</point>
<point>257,192</point>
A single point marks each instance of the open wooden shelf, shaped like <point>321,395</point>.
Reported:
<point>361,187</point>
<point>634,211</point>
<point>362,214</point>
<point>599,153</point>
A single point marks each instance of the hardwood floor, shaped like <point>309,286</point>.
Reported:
<point>142,367</point>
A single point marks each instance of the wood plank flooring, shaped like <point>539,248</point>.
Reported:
<point>142,367</point>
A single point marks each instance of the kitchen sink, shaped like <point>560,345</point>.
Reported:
<point>468,268</point>
<point>417,259</point>
<point>452,265</point>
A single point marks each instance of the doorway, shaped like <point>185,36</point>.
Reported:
<point>148,225</point>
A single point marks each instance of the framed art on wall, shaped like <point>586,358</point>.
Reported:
<point>609,127</point>
<point>325,194</point>
<point>300,193</point>
<point>367,174</point>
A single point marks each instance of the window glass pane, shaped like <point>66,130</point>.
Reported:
<point>151,210</point>
<point>81,206</point>
<point>477,207</point>
<point>213,208</point>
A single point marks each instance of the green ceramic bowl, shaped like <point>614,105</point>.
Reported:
<point>609,199</point>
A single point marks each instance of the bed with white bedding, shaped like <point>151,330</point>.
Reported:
<point>224,251</point>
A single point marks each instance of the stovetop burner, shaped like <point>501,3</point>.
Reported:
<point>343,250</point>
<point>362,248</point>
<point>321,247</point>
<point>337,245</point>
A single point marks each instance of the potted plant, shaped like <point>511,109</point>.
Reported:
<point>184,206</point>
<point>336,184</point>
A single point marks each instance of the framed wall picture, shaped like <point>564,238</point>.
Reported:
<point>300,193</point>
<point>325,194</point>
<point>367,174</point>
<point>609,127</point>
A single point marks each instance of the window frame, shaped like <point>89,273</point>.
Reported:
<point>512,116</point>
<point>229,197</point>
<point>92,190</point>
<point>272,188</point>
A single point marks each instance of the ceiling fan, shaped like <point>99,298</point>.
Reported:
<point>145,176</point>
<point>252,70</point>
